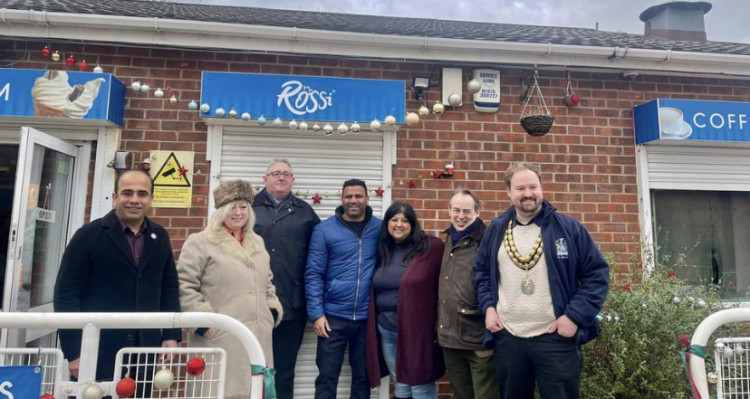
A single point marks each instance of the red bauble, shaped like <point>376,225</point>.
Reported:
<point>47,395</point>
<point>83,65</point>
<point>45,51</point>
<point>573,99</point>
<point>125,387</point>
<point>196,366</point>
<point>70,60</point>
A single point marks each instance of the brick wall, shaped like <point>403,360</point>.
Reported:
<point>588,158</point>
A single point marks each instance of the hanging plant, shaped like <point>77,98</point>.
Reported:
<point>535,116</point>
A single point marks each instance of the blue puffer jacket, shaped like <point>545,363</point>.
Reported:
<point>578,274</point>
<point>340,266</point>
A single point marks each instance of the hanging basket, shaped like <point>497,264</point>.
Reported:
<point>537,125</point>
<point>536,119</point>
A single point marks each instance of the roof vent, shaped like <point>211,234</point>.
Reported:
<point>677,20</point>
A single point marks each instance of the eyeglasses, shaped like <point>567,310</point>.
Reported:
<point>278,174</point>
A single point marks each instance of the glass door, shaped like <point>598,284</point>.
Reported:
<point>40,225</point>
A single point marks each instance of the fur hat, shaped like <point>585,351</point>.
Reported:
<point>234,190</point>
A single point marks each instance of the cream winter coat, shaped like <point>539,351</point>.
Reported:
<point>218,275</point>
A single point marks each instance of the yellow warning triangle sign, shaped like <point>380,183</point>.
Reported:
<point>171,173</point>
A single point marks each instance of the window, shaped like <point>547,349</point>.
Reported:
<point>704,237</point>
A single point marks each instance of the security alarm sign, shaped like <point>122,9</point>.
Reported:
<point>487,99</point>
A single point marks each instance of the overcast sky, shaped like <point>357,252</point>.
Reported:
<point>727,20</point>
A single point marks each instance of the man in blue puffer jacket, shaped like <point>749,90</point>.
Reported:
<point>340,265</point>
<point>540,281</point>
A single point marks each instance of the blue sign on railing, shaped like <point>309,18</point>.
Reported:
<point>694,120</point>
<point>61,94</point>
<point>308,98</point>
<point>20,382</point>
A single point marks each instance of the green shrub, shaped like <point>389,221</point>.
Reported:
<point>639,355</point>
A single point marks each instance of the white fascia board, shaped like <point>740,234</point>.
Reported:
<point>258,38</point>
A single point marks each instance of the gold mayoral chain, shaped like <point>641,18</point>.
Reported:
<point>523,262</point>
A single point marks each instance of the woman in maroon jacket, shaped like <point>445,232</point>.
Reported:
<point>401,335</point>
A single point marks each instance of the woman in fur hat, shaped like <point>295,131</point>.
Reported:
<point>226,269</point>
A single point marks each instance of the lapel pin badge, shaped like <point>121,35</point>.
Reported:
<point>153,236</point>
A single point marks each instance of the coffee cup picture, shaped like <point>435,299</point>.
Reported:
<point>672,124</point>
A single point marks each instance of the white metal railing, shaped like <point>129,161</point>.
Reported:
<point>92,323</point>
<point>701,336</point>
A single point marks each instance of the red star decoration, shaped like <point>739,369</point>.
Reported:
<point>317,198</point>
<point>379,192</point>
<point>411,184</point>
<point>437,174</point>
<point>183,170</point>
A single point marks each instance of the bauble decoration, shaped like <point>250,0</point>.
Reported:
<point>262,120</point>
<point>454,99</point>
<point>205,107</point>
<point>232,114</point>
<point>45,51</point>
<point>390,120</point>
<point>343,129</point>
<point>375,125</point>
<point>327,129</point>
<point>412,118</point>
<point>423,111</point>
<point>245,116</point>
<point>125,388</point>
<point>98,69</point>
<point>136,86</point>
<point>316,128</point>
<point>573,99</point>
<point>83,65</point>
<point>158,93</point>
<point>293,125</point>
<point>438,108</point>
<point>145,88</point>
<point>277,122</point>
<point>70,60</point>
<point>303,126</point>
<point>55,56</point>
<point>192,105</point>
<point>473,86</point>
<point>220,112</point>
<point>93,391</point>
<point>196,366</point>
<point>173,100</point>
<point>355,128</point>
<point>163,379</point>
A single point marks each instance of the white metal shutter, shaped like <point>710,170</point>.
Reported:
<point>321,164</point>
<point>688,167</point>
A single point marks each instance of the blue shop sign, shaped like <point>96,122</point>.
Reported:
<point>692,120</point>
<point>310,98</point>
<point>20,382</point>
<point>61,94</point>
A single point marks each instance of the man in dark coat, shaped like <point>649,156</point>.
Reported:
<point>286,223</point>
<point>468,364</point>
<point>122,262</point>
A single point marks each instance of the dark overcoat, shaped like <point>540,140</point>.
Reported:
<point>286,233</point>
<point>98,274</point>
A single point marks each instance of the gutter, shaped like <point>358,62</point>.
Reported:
<point>30,24</point>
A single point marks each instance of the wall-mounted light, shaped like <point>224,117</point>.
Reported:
<point>121,161</point>
<point>419,84</point>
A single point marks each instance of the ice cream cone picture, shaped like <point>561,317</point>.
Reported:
<point>55,97</point>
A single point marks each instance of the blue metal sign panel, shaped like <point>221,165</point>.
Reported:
<point>61,94</point>
<point>692,120</point>
<point>20,382</point>
<point>302,97</point>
